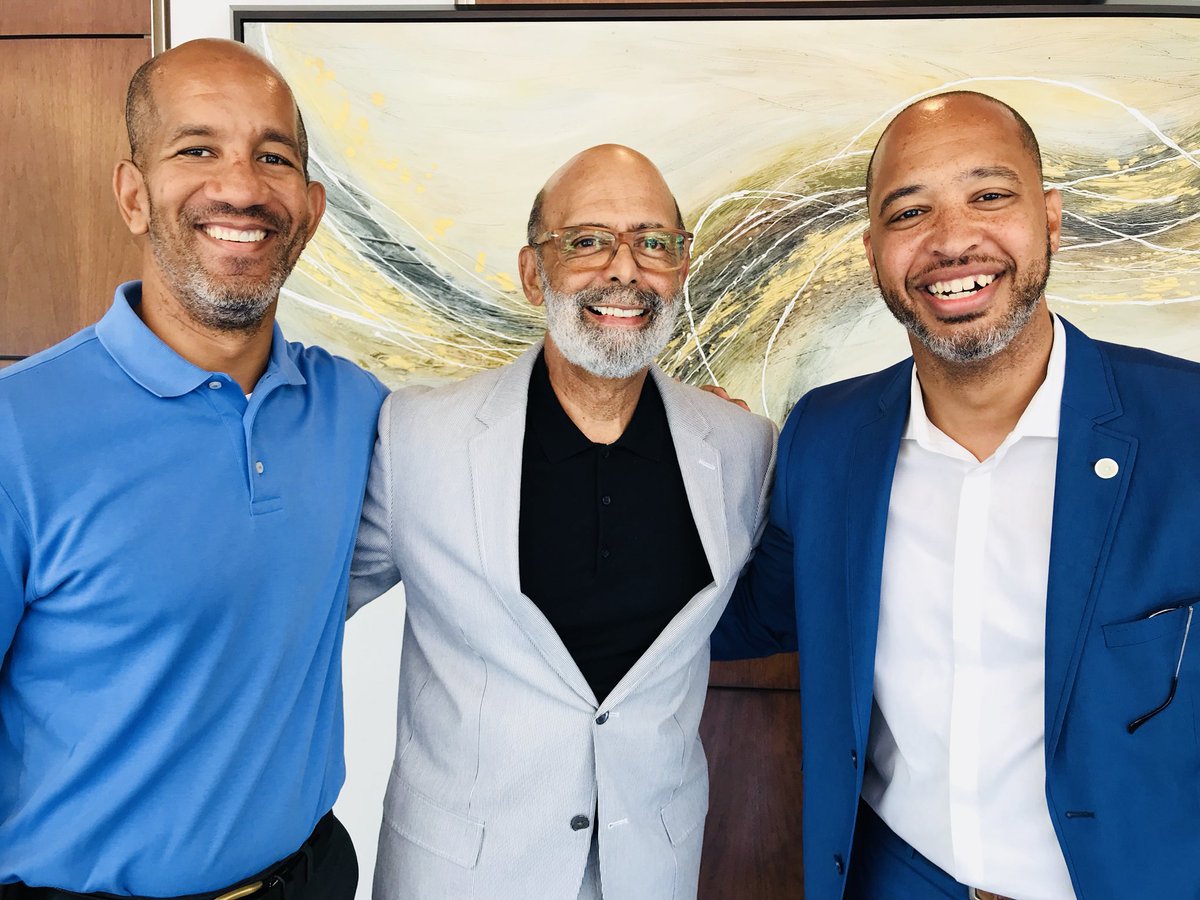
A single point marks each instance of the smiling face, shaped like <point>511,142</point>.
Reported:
<point>611,321</point>
<point>961,228</point>
<point>220,187</point>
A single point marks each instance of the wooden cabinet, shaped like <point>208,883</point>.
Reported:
<point>63,246</point>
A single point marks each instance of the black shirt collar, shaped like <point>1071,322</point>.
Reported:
<point>647,434</point>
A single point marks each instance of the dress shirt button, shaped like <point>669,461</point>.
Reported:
<point>215,385</point>
<point>838,865</point>
<point>604,554</point>
<point>602,718</point>
<point>579,823</point>
<point>606,500</point>
<point>258,467</point>
<point>854,758</point>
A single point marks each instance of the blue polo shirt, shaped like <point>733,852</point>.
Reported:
<point>173,571</point>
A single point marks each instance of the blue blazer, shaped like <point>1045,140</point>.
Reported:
<point>1125,807</point>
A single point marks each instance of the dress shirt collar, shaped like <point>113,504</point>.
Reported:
<point>647,433</point>
<point>158,368</point>
<point>1040,419</point>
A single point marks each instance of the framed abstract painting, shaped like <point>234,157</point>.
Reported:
<point>433,130</point>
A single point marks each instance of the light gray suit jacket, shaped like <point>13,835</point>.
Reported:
<point>500,742</point>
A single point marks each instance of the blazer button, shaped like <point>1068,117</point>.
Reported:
<point>854,758</point>
<point>838,865</point>
<point>579,823</point>
<point>602,718</point>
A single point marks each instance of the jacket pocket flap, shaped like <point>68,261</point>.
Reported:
<point>686,811</point>
<point>443,833</point>
<point>1139,631</point>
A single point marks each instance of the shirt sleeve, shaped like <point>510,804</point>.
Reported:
<point>373,569</point>
<point>15,554</point>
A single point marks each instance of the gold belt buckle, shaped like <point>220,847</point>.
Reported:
<point>244,891</point>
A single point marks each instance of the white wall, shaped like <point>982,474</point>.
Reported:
<point>372,650</point>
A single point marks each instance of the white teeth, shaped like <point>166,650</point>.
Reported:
<point>233,234</point>
<point>617,311</point>
<point>959,286</point>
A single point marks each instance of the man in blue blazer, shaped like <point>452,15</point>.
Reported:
<point>988,556</point>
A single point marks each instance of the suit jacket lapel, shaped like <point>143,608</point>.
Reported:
<point>495,459</point>
<point>700,465</point>
<point>1086,509</point>
<point>872,467</point>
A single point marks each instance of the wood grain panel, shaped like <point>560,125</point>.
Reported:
<point>780,672</point>
<point>752,846</point>
<point>64,17</point>
<point>63,246</point>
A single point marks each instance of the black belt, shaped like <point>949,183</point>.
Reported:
<point>272,883</point>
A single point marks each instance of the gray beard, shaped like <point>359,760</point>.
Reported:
<point>218,306</point>
<point>608,352</point>
<point>976,345</point>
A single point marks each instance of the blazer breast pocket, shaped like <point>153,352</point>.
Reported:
<point>1152,664</point>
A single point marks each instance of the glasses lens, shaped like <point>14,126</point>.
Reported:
<point>658,249</point>
<point>586,246</point>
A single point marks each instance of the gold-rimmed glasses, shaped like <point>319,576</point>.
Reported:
<point>592,247</point>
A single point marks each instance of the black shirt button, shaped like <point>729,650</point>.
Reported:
<point>606,500</point>
<point>604,554</point>
<point>605,453</point>
<point>602,718</point>
<point>838,865</point>
<point>579,823</point>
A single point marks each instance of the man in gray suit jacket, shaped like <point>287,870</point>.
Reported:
<point>568,531</point>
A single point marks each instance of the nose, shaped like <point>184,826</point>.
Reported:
<point>623,268</point>
<point>955,233</point>
<point>238,183</point>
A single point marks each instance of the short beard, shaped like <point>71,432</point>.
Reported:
<point>608,352</point>
<point>228,303</point>
<point>975,345</point>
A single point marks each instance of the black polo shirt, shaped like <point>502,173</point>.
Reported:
<point>609,550</point>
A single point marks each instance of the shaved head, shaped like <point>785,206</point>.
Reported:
<point>1027,137</point>
<point>141,108</point>
<point>603,159</point>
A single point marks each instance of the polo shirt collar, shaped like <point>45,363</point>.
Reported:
<point>647,433</point>
<point>151,363</point>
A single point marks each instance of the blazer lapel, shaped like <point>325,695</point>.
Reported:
<point>1086,510</point>
<point>700,465</point>
<point>872,467</point>
<point>495,459</point>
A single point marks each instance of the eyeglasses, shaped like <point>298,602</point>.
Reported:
<point>590,247</point>
<point>1142,720</point>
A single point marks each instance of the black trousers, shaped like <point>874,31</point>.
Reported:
<point>324,868</point>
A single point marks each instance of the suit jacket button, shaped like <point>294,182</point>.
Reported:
<point>854,758</point>
<point>579,823</point>
<point>602,718</point>
<point>838,865</point>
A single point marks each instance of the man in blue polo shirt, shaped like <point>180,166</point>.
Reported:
<point>179,493</point>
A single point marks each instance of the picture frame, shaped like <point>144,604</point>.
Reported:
<point>434,128</point>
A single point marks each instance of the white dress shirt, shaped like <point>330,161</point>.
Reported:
<point>957,744</point>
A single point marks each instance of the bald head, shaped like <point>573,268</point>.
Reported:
<point>949,104</point>
<point>191,60</point>
<point>610,171</point>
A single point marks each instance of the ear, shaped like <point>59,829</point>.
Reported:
<point>133,199</point>
<point>870,256</point>
<point>316,206</point>
<point>1054,218</point>
<point>531,281</point>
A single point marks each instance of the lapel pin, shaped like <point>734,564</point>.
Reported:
<point>1106,468</point>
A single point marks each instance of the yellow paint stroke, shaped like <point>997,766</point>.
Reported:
<point>503,280</point>
<point>343,115</point>
<point>377,98</point>
<point>405,175</point>
<point>420,188</point>
<point>441,226</point>
<point>351,152</point>
<point>390,165</point>
<point>363,124</point>
<point>1113,165</point>
<point>480,262</point>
